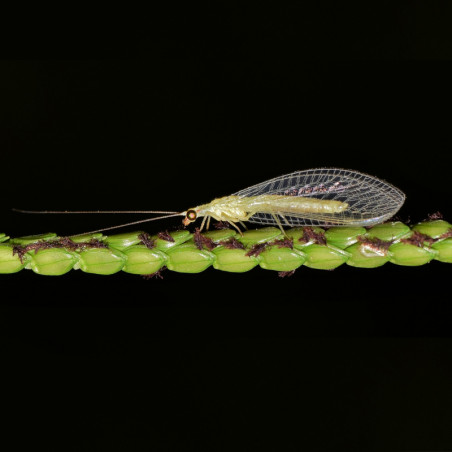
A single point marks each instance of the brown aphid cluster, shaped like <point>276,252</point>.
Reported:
<point>375,243</point>
<point>63,242</point>
<point>447,234</point>
<point>146,240</point>
<point>283,243</point>
<point>202,241</point>
<point>93,243</point>
<point>310,235</point>
<point>165,235</point>
<point>435,216</point>
<point>286,274</point>
<point>419,239</point>
<point>157,274</point>
<point>256,249</point>
<point>232,244</point>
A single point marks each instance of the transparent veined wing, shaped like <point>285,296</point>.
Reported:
<point>370,200</point>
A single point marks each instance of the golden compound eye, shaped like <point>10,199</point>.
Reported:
<point>191,215</point>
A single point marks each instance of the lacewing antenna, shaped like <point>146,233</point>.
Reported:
<point>92,211</point>
<point>168,214</point>
<point>127,224</point>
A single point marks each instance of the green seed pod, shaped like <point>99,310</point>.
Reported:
<point>122,241</point>
<point>3,237</point>
<point>342,237</point>
<point>220,235</point>
<point>234,260</point>
<point>10,263</point>
<point>281,259</point>
<point>324,257</point>
<point>444,250</point>
<point>101,261</point>
<point>389,231</point>
<point>52,261</point>
<point>33,239</point>
<point>410,255</point>
<point>177,237</point>
<point>187,258</point>
<point>255,236</point>
<point>366,256</point>
<point>143,261</point>
<point>434,229</point>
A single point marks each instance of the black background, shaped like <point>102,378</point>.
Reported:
<point>171,112</point>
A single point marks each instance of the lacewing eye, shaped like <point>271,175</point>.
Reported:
<point>192,215</point>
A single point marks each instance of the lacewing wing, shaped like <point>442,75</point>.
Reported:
<point>369,200</point>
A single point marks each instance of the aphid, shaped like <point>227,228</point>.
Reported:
<point>286,274</point>
<point>315,197</point>
<point>309,234</point>
<point>374,245</point>
<point>157,274</point>
<point>165,236</point>
<point>418,239</point>
<point>146,240</point>
<point>435,216</point>
<point>232,244</point>
<point>284,243</point>
<point>256,249</point>
<point>201,241</point>
<point>63,242</point>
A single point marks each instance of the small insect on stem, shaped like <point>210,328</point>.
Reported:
<point>146,240</point>
<point>256,249</point>
<point>63,242</point>
<point>165,236</point>
<point>232,244</point>
<point>157,274</point>
<point>202,241</point>
<point>374,245</point>
<point>284,243</point>
<point>418,239</point>
<point>286,274</point>
<point>310,235</point>
<point>315,197</point>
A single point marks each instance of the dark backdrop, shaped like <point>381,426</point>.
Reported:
<point>174,112</point>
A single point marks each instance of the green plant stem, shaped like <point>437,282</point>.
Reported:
<point>227,250</point>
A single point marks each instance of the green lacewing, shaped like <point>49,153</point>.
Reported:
<point>315,197</point>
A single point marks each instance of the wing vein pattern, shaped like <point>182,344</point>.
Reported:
<point>370,200</point>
